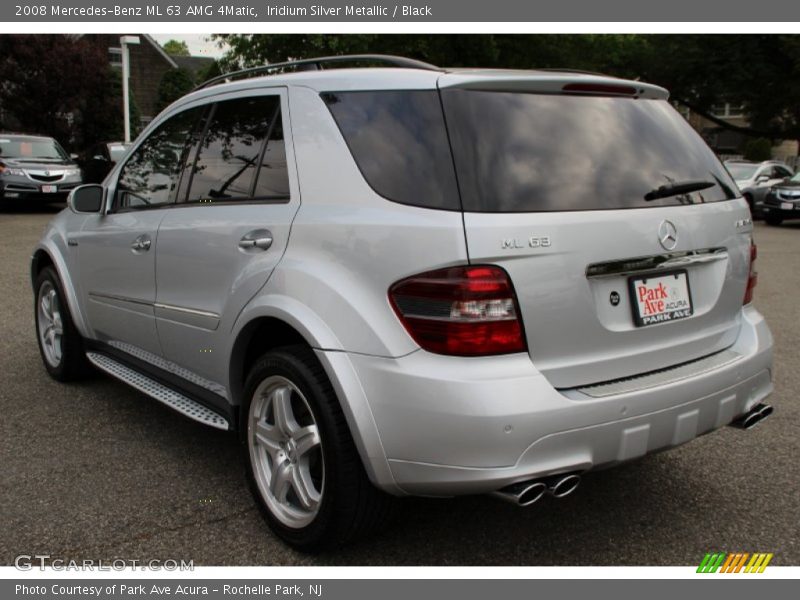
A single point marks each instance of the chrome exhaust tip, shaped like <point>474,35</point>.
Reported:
<point>523,493</point>
<point>753,417</point>
<point>562,486</point>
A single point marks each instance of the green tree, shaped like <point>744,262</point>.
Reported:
<point>757,149</point>
<point>174,84</point>
<point>176,48</point>
<point>762,72</point>
<point>60,86</point>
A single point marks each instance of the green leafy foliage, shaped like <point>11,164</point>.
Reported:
<point>176,48</point>
<point>762,72</point>
<point>61,86</point>
<point>174,84</point>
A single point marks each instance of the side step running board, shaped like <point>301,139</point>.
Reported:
<point>175,400</point>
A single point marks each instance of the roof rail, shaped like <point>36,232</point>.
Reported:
<point>316,64</point>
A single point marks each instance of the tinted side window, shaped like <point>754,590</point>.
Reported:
<point>150,176</point>
<point>233,147</point>
<point>399,142</point>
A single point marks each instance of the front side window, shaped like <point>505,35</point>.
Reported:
<point>242,154</point>
<point>150,176</point>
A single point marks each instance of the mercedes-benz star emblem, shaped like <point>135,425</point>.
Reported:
<point>668,235</point>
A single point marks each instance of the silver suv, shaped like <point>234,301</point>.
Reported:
<point>412,281</point>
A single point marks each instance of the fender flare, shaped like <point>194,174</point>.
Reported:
<point>338,367</point>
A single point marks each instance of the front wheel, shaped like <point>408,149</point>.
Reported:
<point>303,466</point>
<point>60,344</point>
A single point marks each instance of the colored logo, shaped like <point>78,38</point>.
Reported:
<point>734,562</point>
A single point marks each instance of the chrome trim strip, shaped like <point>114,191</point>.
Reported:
<point>191,311</point>
<point>97,295</point>
<point>654,262</point>
<point>639,383</point>
<point>187,316</point>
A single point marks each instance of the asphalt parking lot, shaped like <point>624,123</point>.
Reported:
<point>97,470</point>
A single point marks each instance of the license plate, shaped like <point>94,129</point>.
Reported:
<point>660,298</point>
<point>787,206</point>
<point>49,189</point>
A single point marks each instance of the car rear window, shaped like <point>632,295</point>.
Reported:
<point>399,142</point>
<point>524,152</point>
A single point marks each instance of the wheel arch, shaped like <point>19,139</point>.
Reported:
<point>45,257</point>
<point>273,326</point>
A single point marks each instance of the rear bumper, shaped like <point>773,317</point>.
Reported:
<point>448,426</point>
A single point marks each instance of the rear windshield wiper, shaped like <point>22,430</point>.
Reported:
<point>677,188</point>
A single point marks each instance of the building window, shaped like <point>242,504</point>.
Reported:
<point>115,57</point>
<point>727,110</point>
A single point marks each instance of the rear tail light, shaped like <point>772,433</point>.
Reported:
<point>461,311</point>
<point>752,276</point>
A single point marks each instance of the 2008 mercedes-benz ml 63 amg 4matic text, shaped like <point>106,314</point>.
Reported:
<point>412,281</point>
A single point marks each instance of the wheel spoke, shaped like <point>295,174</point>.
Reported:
<point>281,480</point>
<point>56,347</point>
<point>268,436</point>
<point>46,307</point>
<point>58,325</point>
<point>282,410</point>
<point>304,489</point>
<point>306,439</point>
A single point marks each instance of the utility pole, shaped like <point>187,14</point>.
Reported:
<point>125,41</point>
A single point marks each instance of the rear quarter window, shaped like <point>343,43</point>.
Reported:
<point>399,142</point>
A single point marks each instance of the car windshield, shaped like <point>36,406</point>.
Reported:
<point>31,147</point>
<point>741,171</point>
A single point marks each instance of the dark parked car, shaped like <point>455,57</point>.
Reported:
<point>782,201</point>
<point>98,160</point>
<point>35,168</point>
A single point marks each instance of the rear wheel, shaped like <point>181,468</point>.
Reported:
<point>773,220</point>
<point>303,467</point>
<point>60,344</point>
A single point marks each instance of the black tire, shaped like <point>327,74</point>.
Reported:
<point>773,220</point>
<point>73,364</point>
<point>351,507</point>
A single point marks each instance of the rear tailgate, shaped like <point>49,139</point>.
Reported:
<point>553,188</point>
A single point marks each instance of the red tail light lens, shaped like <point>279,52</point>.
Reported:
<point>752,278</point>
<point>461,311</point>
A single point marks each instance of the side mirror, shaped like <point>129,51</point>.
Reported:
<point>86,198</point>
<point>762,178</point>
<point>73,156</point>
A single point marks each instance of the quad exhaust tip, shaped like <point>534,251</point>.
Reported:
<point>526,493</point>
<point>753,417</point>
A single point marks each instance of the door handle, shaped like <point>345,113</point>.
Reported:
<point>260,239</point>
<point>141,243</point>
